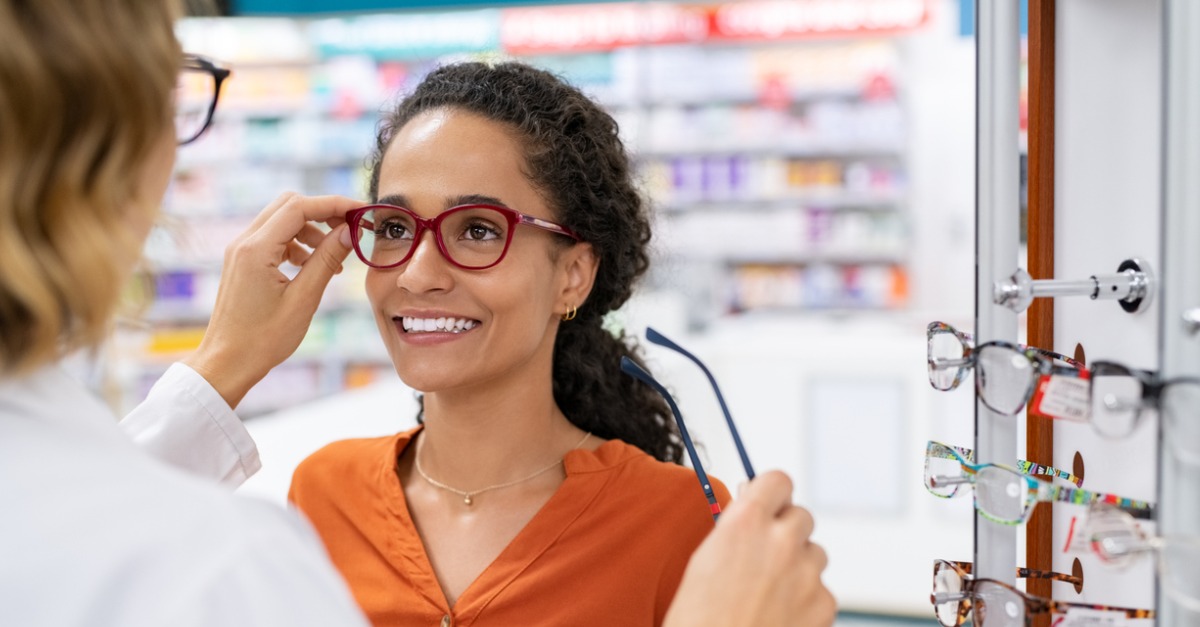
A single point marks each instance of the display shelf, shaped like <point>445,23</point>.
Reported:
<point>833,200</point>
<point>826,151</point>
<point>838,258</point>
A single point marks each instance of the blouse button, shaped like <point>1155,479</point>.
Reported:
<point>446,621</point>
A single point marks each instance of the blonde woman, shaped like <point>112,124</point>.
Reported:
<point>97,532</point>
<point>94,531</point>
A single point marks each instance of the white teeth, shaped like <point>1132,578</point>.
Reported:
<point>427,325</point>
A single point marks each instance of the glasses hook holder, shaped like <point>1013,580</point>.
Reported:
<point>1132,287</point>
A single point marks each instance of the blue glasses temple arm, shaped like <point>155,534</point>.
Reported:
<point>632,369</point>
<point>658,338</point>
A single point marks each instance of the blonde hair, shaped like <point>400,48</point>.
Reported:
<point>85,93</point>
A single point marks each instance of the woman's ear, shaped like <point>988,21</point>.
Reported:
<point>579,265</point>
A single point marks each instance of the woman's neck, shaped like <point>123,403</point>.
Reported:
<point>482,438</point>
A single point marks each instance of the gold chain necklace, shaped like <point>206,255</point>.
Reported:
<point>469,496</point>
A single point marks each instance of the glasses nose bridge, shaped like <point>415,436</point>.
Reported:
<point>416,258</point>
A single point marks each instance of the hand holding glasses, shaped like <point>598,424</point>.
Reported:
<point>996,604</point>
<point>1118,539</point>
<point>1004,495</point>
<point>634,370</point>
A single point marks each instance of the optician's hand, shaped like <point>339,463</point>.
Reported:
<point>757,568</point>
<point>261,316</point>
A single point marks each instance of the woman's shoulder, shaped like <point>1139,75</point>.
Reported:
<point>358,457</point>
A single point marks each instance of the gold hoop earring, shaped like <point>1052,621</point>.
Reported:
<point>570,315</point>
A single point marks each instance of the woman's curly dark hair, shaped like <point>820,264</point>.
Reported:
<point>576,160</point>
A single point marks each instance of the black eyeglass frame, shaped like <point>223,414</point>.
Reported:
<point>628,366</point>
<point>197,63</point>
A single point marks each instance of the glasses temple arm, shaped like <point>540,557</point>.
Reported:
<point>1036,469</point>
<point>632,369</point>
<point>1061,607</point>
<point>1138,509</point>
<point>657,338</point>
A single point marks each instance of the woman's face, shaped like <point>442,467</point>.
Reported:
<point>508,313</point>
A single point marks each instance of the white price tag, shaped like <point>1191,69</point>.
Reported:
<point>1082,617</point>
<point>1063,397</point>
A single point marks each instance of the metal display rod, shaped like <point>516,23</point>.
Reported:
<point>997,221</point>
<point>1132,287</point>
<point>1178,482</point>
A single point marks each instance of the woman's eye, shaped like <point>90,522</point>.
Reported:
<point>480,232</point>
<point>391,230</point>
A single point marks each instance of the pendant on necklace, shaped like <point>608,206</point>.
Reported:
<point>467,499</point>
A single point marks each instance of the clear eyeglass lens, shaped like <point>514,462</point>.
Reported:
<point>385,236</point>
<point>944,347</point>
<point>1001,494</point>
<point>1115,403</point>
<point>942,476</point>
<point>1113,535</point>
<point>1180,411</point>
<point>194,93</point>
<point>1004,378</point>
<point>997,606</point>
<point>947,582</point>
<point>475,236</point>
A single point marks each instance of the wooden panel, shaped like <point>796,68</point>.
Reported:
<point>1039,431</point>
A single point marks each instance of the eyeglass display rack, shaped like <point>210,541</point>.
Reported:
<point>801,143</point>
<point>1107,155</point>
<point>1179,484</point>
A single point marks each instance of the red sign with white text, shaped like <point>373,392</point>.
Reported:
<point>580,28</point>
<point>599,27</point>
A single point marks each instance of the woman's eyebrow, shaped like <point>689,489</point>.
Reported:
<point>397,200</point>
<point>400,200</point>
<point>475,199</point>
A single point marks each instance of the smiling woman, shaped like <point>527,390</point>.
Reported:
<point>542,481</point>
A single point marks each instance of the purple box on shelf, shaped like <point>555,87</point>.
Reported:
<point>175,286</point>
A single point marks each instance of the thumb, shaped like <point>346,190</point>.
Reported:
<point>325,261</point>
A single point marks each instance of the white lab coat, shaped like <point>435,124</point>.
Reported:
<point>94,531</point>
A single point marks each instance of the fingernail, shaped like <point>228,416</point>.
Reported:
<point>344,236</point>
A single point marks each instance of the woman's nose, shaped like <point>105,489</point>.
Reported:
<point>427,269</point>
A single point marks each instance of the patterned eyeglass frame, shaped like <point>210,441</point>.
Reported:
<point>1033,605</point>
<point>1042,362</point>
<point>938,450</point>
<point>1036,491</point>
<point>965,571</point>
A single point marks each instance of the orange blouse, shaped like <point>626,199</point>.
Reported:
<point>608,548</point>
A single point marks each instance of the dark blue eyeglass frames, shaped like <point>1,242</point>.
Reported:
<point>632,369</point>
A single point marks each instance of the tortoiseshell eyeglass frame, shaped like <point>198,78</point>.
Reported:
<point>1033,605</point>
